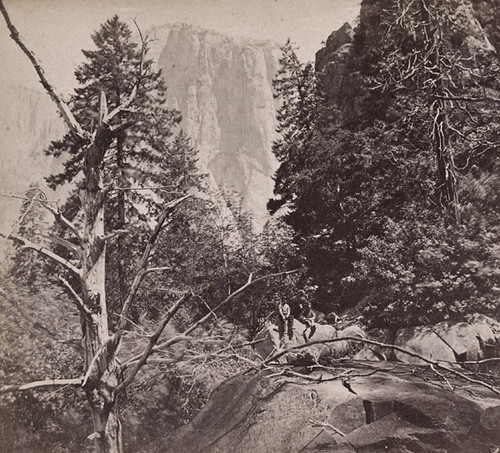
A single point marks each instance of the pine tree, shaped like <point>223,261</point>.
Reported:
<point>138,158</point>
<point>295,87</point>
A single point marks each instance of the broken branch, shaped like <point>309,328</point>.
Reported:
<point>79,301</point>
<point>46,204</point>
<point>384,345</point>
<point>27,244</point>
<point>142,269</point>
<point>39,384</point>
<point>152,342</point>
<point>326,425</point>
<point>56,97</point>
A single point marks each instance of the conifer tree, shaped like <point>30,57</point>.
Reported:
<point>139,158</point>
<point>295,87</point>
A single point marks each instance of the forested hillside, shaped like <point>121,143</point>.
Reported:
<point>389,162</point>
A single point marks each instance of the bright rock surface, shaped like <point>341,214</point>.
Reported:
<point>223,87</point>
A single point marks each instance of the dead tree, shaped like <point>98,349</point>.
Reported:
<point>102,381</point>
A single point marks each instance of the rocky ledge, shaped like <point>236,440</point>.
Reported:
<point>370,407</point>
<point>339,396</point>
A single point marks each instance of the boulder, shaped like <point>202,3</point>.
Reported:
<point>267,340</point>
<point>452,342</point>
<point>268,412</point>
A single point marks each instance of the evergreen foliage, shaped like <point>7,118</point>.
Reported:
<point>148,166</point>
<point>393,199</point>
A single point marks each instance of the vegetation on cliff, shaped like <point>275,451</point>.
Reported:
<point>391,186</point>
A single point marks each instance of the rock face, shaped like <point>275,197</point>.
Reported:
<point>387,413</point>
<point>337,81</point>
<point>223,88</point>
<point>344,80</point>
<point>29,122</point>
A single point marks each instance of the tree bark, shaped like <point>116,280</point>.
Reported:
<point>103,372</point>
<point>120,243</point>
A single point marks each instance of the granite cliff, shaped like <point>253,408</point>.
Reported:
<point>29,122</point>
<point>223,87</point>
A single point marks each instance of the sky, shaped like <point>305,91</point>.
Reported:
<point>57,30</point>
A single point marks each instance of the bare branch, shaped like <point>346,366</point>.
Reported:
<point>147,188</point>
<point>317,424</point>
<point>79,301</point>
<point>142,268</point>
<point>441,376</point>
<point>185,335</point>
<point>152,342</point>
<point>60,218</point>
<point>100,362</point>
<point>123,106</point>
<point>435,363</point>
<point>468,99</point>
<point>56,97</point>
<point>25,243</point>
<point>209,315</point>
<point>46,204</point>
<point>114,234</point>
<point>40,384</point>
<point>158,269</point>
<point>77,250</point>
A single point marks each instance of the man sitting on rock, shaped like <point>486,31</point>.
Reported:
<point>307,318</point>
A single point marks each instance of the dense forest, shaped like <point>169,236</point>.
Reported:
<point>389,169</point>
<point>146,289</point>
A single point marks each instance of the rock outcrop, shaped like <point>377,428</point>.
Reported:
<point>223,88</point>
<point>472,27</point>
<point>267,341</point>
<point>382,412</point>
<point>474,339</point>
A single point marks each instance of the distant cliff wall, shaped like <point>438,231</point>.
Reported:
<point>29,121</point>
<point>223,87</point>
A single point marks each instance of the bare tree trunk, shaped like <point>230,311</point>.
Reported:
<point>103,373</point>
<point>447,192</point>
<point>120,162</point>
<point>105,413</point>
